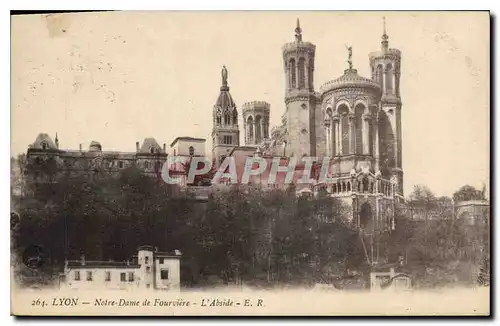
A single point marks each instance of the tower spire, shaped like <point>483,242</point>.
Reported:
<point>57,141</point>
<point>298,32</point>
<point>385,37</point>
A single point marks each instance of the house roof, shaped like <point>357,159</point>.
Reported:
<point>186,138</point>
<point>149,143</point>
<point>44,138</point>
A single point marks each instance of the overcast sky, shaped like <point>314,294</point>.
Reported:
<point>120,77</point>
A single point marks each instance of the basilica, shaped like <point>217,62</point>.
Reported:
<point>353,121</point>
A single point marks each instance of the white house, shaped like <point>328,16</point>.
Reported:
<point>149,269</point>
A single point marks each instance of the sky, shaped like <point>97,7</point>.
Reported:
<point>119,77</point>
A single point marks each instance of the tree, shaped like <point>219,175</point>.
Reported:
<point>466,193</point>
<point>241,234</point>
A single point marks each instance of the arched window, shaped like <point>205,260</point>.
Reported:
<point>334,188</point>
<point>250,128</point>
<point>265,127</point>
<point>344,123</point>
<point>348,186</point>
<point>45,145</point>
<point>218,119</point>
<point>379,78</point>
<point>387,140</point>
<point>146,165</point>
<point>191,150</point>
<point>388,78</point>
<point>235,117</point>
<point>359,111</point>
<point>292,73</point>
<point>302,71</point>
<point>258,128</point>
<point>152,150</point>
<point>227,118</point>
<point>365,184</point>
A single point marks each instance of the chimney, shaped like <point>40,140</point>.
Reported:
<point>82,259</point>
<point>164,148</point>
<point>80,147</point>
<point>137,146</point>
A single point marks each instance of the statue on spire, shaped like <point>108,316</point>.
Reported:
<point>349,60</point>
<point>298,32</point>
<point>224,76</point>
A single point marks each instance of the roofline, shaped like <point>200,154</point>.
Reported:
<point>187,138</point>
<point>243,147</point>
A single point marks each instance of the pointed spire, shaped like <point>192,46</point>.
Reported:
<point>298,32</point>
<point>57,141</point>
<point>385,38</point>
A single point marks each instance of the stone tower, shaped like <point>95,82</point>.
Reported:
<point>256,122</point>
<point>225,131</point>
<point>386,71</point>
<point>300,99</point>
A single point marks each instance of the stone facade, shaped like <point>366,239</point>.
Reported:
<point>44,155</point>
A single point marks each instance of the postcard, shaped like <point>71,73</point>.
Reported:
<point>257,163</point>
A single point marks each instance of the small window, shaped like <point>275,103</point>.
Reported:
<point>146,165</point>
<point>191,150</point>
<point>108,276</point>
<point>120,165</point>
<point>164,274</point>
<point>77,275</point>
<point>161,260</point>
<point>45,146</point>
<point>227,140</point>
<point>130,276</point>
<point>146,260</point>
<point>89,276</point>
<point>123,277</point>
<point>148,269</point>
<point>152,150</point>
<point>148,286</point>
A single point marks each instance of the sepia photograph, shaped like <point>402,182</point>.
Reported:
<point>261,163</point>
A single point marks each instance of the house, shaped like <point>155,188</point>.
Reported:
<point>149,269</point>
